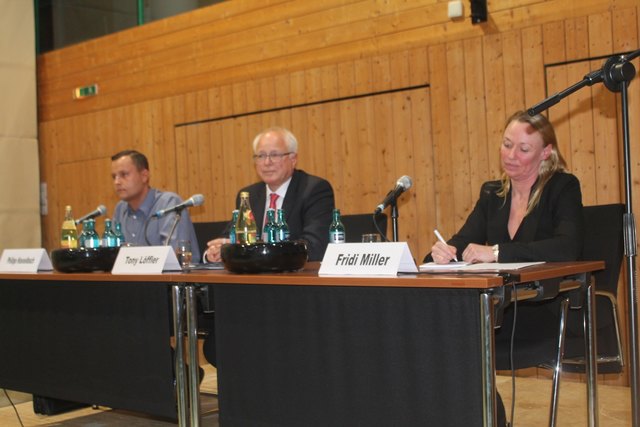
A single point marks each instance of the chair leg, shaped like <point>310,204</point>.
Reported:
<point>557,371</point>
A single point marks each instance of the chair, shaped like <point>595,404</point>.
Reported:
<point>358,224</point>
<point>603,241</point>
<point>550,335</point>
<point>206,231</point>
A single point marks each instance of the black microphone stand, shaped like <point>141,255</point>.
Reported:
<point>176,220</point>
<point>616,74</point>
<point>394,219</point>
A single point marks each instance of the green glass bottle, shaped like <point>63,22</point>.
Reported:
<point>246,229</point>
<point>108,237</point>
<point>337,232</point>
<point>232,231</point>
<point>89,238</point>
<point>282,227</point>
<point>270,229</point>
<point>118,234</point>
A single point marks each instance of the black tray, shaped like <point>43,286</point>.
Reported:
<point>264,257</point>
<point>84,260</point>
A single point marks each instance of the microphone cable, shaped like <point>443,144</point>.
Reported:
<point>13,406</point>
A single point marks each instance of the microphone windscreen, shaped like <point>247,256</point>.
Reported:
<point>405,182</point>
<point>102,209</point>
<point>198,199</point>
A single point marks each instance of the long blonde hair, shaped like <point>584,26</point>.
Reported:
<point>549,166</point>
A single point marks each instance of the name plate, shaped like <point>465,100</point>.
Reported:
<point>25,261</point>
<point>145,260</point>
<point>367,259</point>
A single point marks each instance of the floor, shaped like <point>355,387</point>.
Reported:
<point>531,410</point>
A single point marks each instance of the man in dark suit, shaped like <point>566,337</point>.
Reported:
<point>307,200</point>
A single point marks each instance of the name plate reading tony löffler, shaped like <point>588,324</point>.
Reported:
<point>367,259</point>
<point>145,260</point>
<point>25,261</point>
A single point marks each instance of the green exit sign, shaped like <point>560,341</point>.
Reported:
<point>85,91</point>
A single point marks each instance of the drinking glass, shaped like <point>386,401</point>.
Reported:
<point>183,252</point>
<point>370,238</point>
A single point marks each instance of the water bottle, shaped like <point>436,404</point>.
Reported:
<point>282,233</point>
<point>118,234</point>
<point>232,230</point>
<point>89,238</point>
<point>336,229</point>
<point>270,229</point>
<point>108,237</point>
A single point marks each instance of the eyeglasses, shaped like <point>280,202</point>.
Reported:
<point>274,157</point>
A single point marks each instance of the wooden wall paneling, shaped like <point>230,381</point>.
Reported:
<point>443,187</point>
<point>581,129</point>
<point>346,79</point>
<point>479,146</point>
<point>402,146</point>
<point>513,71</point>
<point>350,198</point>
<point>606,147</point>
<point>533,65</point>
<point>239,97</point>
<point>418,66</point>
<point>494,93</point>
<point>577,38</point>
<point>381,73</point>
<point>297,90</point>
<point>312,85</point>
<point>371,149</point>
<point>458,129</point>
<point>333,149</point>
<point>424,183</point>
<point>282,87</point>
<point>385,174</point>
<point>315,140</point>
<point>607,170</point>
<point>363,75</point>
<point>329,82</point>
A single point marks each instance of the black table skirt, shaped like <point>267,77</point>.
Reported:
<point>96,343</point>
<point>348,356</point>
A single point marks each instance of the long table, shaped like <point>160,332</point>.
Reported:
<point>293,348</point>
<point>298,349</point>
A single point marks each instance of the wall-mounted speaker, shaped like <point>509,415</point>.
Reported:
<point>478,11</point>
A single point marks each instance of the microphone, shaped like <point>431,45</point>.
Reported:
<point>402,184</point>
<point>195,200</point>
<point>100,210</point>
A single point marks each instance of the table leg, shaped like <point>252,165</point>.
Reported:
<point>192,342</point>
<point>181,389</point>
<point>487,325</point>
<point>590,354</point>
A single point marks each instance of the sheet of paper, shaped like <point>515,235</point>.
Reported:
<point>484,266</point>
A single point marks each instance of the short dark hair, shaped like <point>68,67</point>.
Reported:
<point>138,159</point>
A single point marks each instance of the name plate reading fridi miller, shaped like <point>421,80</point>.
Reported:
<point>367,259</point>
<point>145,260</point>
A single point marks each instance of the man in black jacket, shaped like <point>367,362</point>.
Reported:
<point>307,200</point>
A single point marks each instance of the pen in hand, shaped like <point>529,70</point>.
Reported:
<point>439,236</point>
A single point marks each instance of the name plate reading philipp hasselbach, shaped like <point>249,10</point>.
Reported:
<point>367,259</point>
<point>25,261</point>
<point>145,260</point>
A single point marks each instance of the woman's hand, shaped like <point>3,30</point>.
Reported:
<point>212,254</point>
<point>442,253</point>
<point>478,253</point>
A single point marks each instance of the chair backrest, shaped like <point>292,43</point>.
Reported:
<point>603,240</point>
<point>206,231</point>
<point>356,225</point>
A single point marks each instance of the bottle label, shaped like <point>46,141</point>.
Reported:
<point>337,237</point>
